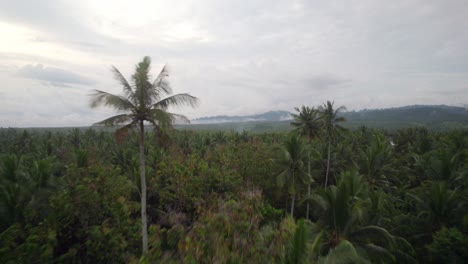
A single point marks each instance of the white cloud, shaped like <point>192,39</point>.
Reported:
<point>237,57</point>
<point>54,76</point>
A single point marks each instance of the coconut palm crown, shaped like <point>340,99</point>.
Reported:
<point>142,99</point>
<point>307,121</point>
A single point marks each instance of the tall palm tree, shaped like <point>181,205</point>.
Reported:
<point>331,125</point>
<point>308,123</point>
<point>293,168</point>
<point>142,101</point>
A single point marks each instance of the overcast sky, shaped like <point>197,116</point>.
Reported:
<point>238,57</point>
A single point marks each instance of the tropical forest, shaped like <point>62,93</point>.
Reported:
<point>133,188</point>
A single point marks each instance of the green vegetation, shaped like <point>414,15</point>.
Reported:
<point>213,197</point>
<point>317,194</point>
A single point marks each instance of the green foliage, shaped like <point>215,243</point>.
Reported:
<point>375,161</point>
<point>448,246</point>
<point>343,217</point>
<point>71,196</point>
<point>228,232</point>
<point>296,249</point>
<point>95,212</point>
<point>27,244</point>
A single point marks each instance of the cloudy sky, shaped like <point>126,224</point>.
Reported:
<point>238,57</point>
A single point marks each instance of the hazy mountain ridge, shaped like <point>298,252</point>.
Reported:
<point>413,113</point>
<point>437,117</point>
<point>416,113</point>
<point>267,116</point>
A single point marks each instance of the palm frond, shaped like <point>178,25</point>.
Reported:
<point>317,241</point>
<point>377,253</point>
<point>126,86</point>
<point>161,118</point>
<point>373,233</point>
<point>177,100</point>
<point>319,200</point>
<point>281,178</point>
<point>344,253</point>
<point>141,79</point>
<point>158,113</point>
<point>179,117</point>
<point>297,124</point>
<point>115,120</point>
<point>115,101</point>
<point>340,119</point>
<point>296,251</point>
<point>404,251</point>
<point>160,84</point>
<point>341,109</point>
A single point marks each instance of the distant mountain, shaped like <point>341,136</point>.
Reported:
<point>437,117</point>
<point>413,113</point>
<point>268,116</point>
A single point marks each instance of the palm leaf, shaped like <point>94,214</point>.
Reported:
<point>180,117</point>
<point>177,100</point>
<point>115,120</point>
<point>143,87</point>
<point>159,114</point>
<point>126,86</point>
<point>107,99</point>
<point>296,251</point>
<point>161,118</point>
<point>160,84</point>
<point>377,253</point>
<point>340,119</point>
<point>344,253</point>
<point>316,243</point>
<point>373,233</point>
<point>282,177</point>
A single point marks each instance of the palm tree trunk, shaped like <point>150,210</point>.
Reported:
<point>328,162</point>
<point>144,218</point>
<point>308,187</point>
<point>292,205</point>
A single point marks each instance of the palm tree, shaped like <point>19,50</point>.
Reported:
<point>437,204</point>
<point>308,123</point>
<point>142,100</point>
<point>293,164</point>
<point>375,161</point>
<point>342,211</point>
<point>330,124</point>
